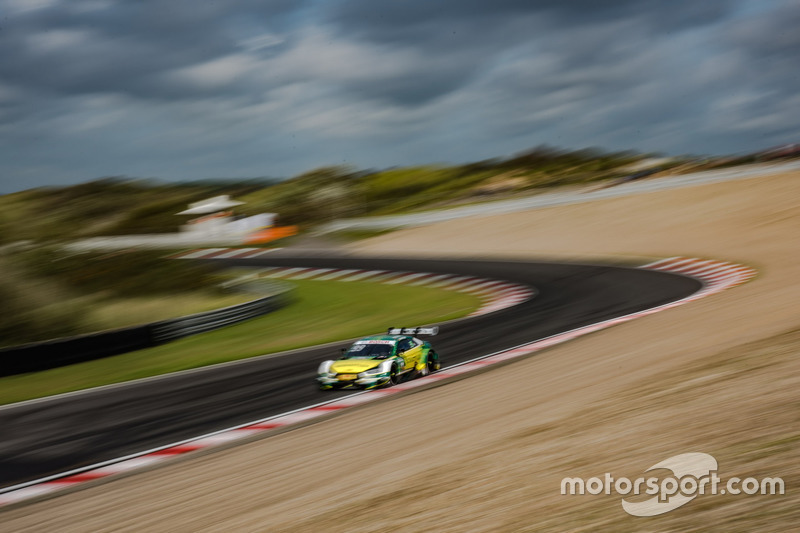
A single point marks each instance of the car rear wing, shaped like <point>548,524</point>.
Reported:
<point>413,331</point>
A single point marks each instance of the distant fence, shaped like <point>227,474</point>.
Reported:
<point>70,350</point>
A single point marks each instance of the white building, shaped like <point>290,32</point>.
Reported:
<point>217,226</point>
<point>218,220</point>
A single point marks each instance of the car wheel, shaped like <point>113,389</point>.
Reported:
<point>394,379</point>
<point>433,362</point>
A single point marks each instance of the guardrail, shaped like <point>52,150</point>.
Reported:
<point>176,328</point>
<point>66,351</point>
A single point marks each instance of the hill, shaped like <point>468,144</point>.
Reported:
<point>121,206</point>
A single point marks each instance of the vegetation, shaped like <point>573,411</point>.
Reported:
<point>119,206</point>
<point>36,309</point>
<point>108,206</point>
<point>120,273</point>
<point>48,294</point>
<point>321,312</point>
<point>336,192</point>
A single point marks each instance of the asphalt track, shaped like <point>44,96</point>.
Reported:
<point>47,437</point>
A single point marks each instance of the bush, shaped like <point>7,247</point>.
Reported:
<point>322,194</point>
<point>119,274</point>
<point>35,309</point>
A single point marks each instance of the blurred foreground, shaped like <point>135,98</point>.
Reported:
<point>718,376</point>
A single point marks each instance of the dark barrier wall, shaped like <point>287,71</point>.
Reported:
<point>70,350</point>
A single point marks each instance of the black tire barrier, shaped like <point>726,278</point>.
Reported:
<point>55,353</point>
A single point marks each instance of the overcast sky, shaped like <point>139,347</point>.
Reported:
<point>193,89</point>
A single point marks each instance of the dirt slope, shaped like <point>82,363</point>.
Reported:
<point>720,376</point>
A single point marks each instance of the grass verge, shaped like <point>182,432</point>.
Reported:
<point>323,311</point>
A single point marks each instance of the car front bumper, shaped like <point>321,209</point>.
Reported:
<point>370,382</point>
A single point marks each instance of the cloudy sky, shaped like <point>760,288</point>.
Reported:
<point>192,89</point>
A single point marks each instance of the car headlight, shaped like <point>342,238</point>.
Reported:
<point>372,372</point>
<point>325,369</point>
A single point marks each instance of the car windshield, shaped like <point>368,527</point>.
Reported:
<point>368,351</point>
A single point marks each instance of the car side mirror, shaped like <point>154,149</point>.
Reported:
<point>344,351</point>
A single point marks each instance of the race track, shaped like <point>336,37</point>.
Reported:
<point>50,436</point>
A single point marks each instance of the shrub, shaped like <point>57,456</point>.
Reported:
<point>123,273</point>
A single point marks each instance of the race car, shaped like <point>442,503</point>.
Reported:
<point>381,360</point>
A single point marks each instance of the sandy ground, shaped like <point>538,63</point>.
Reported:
<point>720,376</point>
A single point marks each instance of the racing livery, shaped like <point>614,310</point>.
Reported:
<point>381,360</point>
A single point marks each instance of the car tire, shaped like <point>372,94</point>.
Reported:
<point>433,362</point>
<point>394,379</point>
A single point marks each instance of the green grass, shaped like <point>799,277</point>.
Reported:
<point>321,312</point>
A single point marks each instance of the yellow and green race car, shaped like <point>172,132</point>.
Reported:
<point>381,360</point>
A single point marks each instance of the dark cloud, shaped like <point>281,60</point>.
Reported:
<point>771,39</point>
<point>414,19</point>
<point>472,34</point>
<point>189,88</point>
<point>81,47</point>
